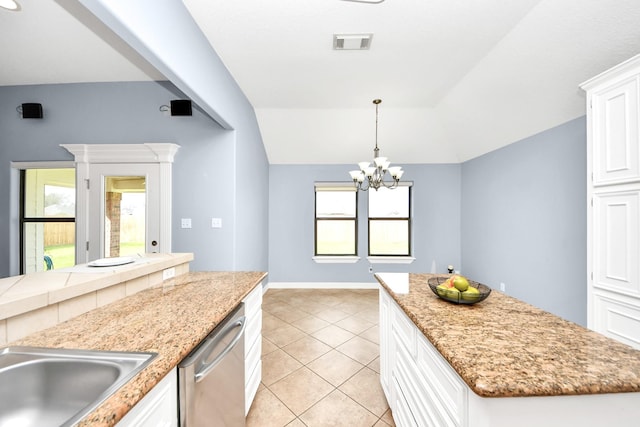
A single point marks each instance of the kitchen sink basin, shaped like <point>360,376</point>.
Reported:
<point>58,387</point>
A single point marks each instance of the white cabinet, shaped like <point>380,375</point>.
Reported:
<point>252,345</point>
<point>385,349</point>
<point>423,390</point>
<point>159,408</point>
<point>613,218</point>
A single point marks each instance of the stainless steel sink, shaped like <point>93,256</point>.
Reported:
<point>56,387</point>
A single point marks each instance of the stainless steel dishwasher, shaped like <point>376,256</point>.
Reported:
<point>211,377</point>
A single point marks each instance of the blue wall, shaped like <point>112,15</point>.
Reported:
<point>204,172</point>
<point>436,223</point>
<point>524,220</point>
<point>515,216</point>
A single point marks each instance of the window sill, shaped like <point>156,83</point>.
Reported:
<point>390,259</point>
<point>336,259</point>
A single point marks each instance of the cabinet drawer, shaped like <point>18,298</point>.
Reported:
<point>404,331</point>
<point>617,317</point>
<point>401,412</point>
<point>253,301</point>
<point>251,385</point>
<point>252,332</point>
<point>420,404</point>
<point>252,358</point>
<point>442,383</point>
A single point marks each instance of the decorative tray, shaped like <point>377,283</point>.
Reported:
<point>455,296</point>
<point>111,262</point>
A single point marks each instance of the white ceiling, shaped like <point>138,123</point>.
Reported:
<point>457,78</point>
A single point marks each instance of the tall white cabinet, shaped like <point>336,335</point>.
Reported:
<point>613,237</point>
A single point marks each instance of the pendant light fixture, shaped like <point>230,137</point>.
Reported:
<point>373,176</point>
<point>9,5</point>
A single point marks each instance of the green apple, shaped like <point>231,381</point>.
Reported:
<point>471,294</point>
<point>461,283</point>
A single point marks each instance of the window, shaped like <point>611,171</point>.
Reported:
<point>47,219</point>
<point>336,220</point>
<point>390,221</point>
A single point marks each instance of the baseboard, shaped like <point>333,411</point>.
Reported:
<point>321,285</point>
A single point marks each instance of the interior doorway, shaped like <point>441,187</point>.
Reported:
<point>124,210</point>
<point>124,215</point>
<point>117,184</point>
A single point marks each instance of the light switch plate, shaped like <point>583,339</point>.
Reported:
<point>216,222</point>
<point>185,223</point>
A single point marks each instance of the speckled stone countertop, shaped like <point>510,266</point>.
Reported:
<point>169,320</point>
<point>503,347</point>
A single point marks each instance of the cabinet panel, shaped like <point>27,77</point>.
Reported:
<point>447,388</point>
<point>401,412</point>
<point>404,331</point>
<point>252,345</point>
<point>385,345</point>
<point>617,318</point>
<point>616,245</point>
<point>615,133</point>
<point>159,408</point>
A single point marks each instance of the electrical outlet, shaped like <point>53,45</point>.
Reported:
<point>502,287</point>
<point>168,273</point>
<point>185,223</point>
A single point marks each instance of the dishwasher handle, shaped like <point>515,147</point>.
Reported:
<point>208,366</point>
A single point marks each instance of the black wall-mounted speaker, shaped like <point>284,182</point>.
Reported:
<point>181,107</point>
<point>31,110</point>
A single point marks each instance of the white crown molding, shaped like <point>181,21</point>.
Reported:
<point>123,153</point>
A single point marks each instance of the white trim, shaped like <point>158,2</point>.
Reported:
<point>335,186</point>
<point>390,259</point>
<point>123,153</point>
<point>322,259</point>
<point>85,155</point>
<point>322,285</point>
<point>63,164</point>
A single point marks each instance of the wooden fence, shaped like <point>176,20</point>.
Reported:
<point>64,233</point>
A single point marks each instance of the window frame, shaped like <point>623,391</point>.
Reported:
<point>24,220</point>
<point>335,258</point>
<point>393,258</point>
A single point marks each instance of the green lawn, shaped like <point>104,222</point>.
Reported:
<point>64,255</point>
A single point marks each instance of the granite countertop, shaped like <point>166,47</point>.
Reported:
<point>170,320</point>
<point>503,347</point>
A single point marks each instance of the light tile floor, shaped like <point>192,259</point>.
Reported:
<point>320,360</point>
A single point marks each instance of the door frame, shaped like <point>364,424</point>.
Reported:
<point>87,154</point>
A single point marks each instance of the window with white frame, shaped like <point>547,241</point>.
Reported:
<point>336,219</point>
<point>47,218</point>
<point>390,221</point>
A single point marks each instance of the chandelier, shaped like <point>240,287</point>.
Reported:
<point>375,174</point>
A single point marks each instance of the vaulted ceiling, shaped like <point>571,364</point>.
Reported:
<point>457,78</point>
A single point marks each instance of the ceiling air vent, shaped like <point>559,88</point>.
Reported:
<point>352,41</point>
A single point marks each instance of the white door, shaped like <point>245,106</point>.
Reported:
<point>124,209</point>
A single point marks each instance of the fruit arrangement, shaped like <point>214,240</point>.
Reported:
<point>459,289</point>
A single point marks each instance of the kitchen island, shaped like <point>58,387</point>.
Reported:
<point>499,362</point>
<point>169,319</point>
